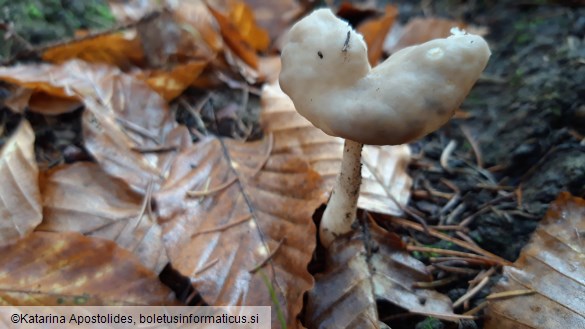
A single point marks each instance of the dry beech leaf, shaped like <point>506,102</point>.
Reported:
<point>82,198</point>
<point>384,171</point>
<point>118,49</point>
<point>172,83</point>
<point>375,31</point>
<point>419,30</point>
<point>20,199</point>
<point>242,17</point>
<point>131,11</point>
<point>160,38</point>
<point>249,214</point>
<point>127,126</point>
<point>180,32</point>
<point>234,39</point>
<point>43,103</point>
<point>37,78</point>
<point>70,269</point>
<point>198,24</point>
<point>552,266</point>
<point>355,14</point>
<point>275,17</point>
<point>355,277</point>
<point>19,99</point>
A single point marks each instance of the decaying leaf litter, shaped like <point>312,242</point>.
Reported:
<point>485,178</point>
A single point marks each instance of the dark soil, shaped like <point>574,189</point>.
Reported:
<point>526,124</point>
<point>527,120</point>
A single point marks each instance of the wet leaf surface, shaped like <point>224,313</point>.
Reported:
<point>20,199</point>
<point>82,198</point>
<point>249,213</point>
<point>551,265</point>
<point>363,269</point>
<point>71,269</point>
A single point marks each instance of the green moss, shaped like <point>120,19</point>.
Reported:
<point>33,11</point>
<point>42,21</point>
<point>81,300</point>
<point>430,323</point>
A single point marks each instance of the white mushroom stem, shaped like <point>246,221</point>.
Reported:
<point>342,206</point>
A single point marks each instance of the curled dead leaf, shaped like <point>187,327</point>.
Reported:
<point>82,198</point>
<point>551,266</point>
<point>20,198</point>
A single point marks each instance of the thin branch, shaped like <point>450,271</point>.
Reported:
<point>272,253</point>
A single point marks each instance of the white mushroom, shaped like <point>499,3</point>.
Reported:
<point>326,73</point>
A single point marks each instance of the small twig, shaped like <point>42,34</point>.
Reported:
<point>145,203</point>
<point>510,294</point>
<point>518,193</point>
<point>476,309</point>
<point>457,270</point>
<point>483,208</point>
<point>474,145</point>
<point>195,112</point>
<point>471,292</point>
<point>206,267</point>
<point>449,205</point>
<point>456,212</point>
<point>216,189</point>
<point>421,194</point>
<point>272,253</point>
<point>436,283</point>
<point>466,238</point>
<point>482,275</point>
<point>448,228</point>
<point>155,149</point>
<point>139,130</point>
<point>224,227</point>
<point>463,244</point>
<point>464,259</point>
<point>522,214</point>
<point>495,187</point>
<point>449,149</point>
<point>450,185</point>
<point>435,192</point>
<point>267,154</point>
<point>487,260</point>
<point>501,213</point>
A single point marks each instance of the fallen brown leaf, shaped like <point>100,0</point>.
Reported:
<point>20,199</point>
<point>552,266</point>
<point>118,49</point>
<point>132,11</point>
<point>71,269</point>
<point>127,126</point>
<point>420,30</point>
<point>242,17</point>
<point>275,16</point>
<point>249,212</point>
<point>384,172</point>
<point>234,39</point>
<point>199,24</point>
<point>82,198</point>
<point>355,277</point>
<point>172,83</point>
<point>375,31</point>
